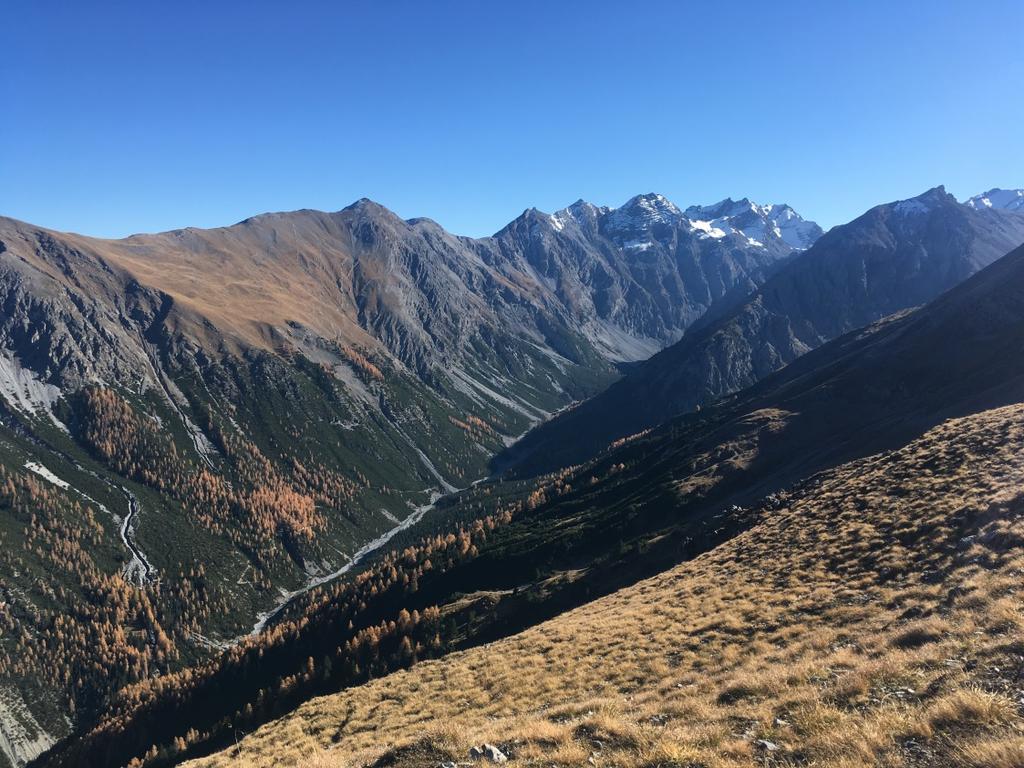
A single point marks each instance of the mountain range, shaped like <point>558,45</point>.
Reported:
<point>681,493</point>
<point>244,466</point>
<point>894,257</point>
<point>247,412</point>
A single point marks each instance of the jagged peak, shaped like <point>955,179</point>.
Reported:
<point>581,212</point>
<point>936,193</point>
<point>585,208</point>
<point>643,211</point>
<point>651,201</point>
<point>924,203</point>
<point>756,222</point>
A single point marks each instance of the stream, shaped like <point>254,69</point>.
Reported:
<point>414,517</point>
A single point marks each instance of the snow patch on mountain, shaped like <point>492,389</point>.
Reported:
<point>43,472</point>
<point>934,199</point>
<point>638,245</point>
<point>631,224</point>
<point>998,199</point>
<point>757,223</point>
<point>707,229</point>
<point>580,213</point>
<point>793,228</point>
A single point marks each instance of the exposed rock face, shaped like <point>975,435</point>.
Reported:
<point>759,223</point>
<point>637,276</point>
<point>894,257</point>
<point>21,737</point>
<point>621,283</point>
<point>999,199</point>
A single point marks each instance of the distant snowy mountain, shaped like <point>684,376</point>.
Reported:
<point>643,212</point>
<point>773,227</point>
<point>758,223</point>
<point>1001,199</point>
<point>632,279</point>
<point>895,256</point>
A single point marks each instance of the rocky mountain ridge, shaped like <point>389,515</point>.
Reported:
<point>894,257</point>
<point>1000,199</point>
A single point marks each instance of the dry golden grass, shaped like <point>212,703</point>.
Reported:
<point>874,622</point>
<point>252,281</point>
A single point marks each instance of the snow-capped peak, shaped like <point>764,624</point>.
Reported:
<point>642,211</point>
<point>794,229</point>
<point>761,226</point>
<point>924,203</point>
<point>652,202</point>
<point>727,208</point>
<point>999,199</point>
<point>581,212</point>
<point>758,223</point>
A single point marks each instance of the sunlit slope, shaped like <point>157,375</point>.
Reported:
<point>869,618</point>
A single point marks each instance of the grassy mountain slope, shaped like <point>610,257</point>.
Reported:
<point>872,619</point>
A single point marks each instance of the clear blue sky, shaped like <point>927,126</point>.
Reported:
<point>144,115</point>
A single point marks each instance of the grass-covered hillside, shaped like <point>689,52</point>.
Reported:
<point>872,619</point>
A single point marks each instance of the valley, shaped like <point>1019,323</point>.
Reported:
<point>226,508</point>
<point>240,453</point>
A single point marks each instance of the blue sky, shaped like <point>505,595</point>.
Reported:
<point>143,116</point>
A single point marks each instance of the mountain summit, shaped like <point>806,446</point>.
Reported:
<point>758,223</point>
